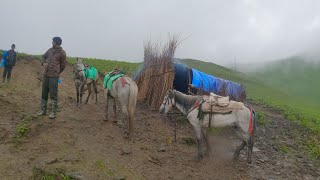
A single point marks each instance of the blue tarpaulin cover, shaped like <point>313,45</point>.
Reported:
<point>181,78</point>
<point>204,81</point>
<point>209,83</point>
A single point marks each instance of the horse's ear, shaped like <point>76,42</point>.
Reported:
<point>171,93</point>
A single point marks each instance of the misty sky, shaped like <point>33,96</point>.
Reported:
<point>217,30</point>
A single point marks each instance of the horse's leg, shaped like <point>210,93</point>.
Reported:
<point>89,93</point>
<point>199,142</point>
<point>81,91</point>
<point>115,109</point>
<point>130,121</point>
<point>95,90</point>
<point>205,136</point>
<point>237,151</point>
<point>250,147</point>
<point>125,112</point>
<point>77,89</point>
<point>195,122</point>
<point>106,103</point>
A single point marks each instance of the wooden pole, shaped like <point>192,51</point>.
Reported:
<point>174,128</point>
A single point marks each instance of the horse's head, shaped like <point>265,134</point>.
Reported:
<point>79,61</point>
<point>79,68</point>
<point>168,102</point>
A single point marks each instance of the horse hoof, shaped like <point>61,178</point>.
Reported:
<point>236,157</point>
<point>198,158</point>
<point>249,161</point>
<point>207,154</point>
<point>126,135</point>
<point>105,119</point>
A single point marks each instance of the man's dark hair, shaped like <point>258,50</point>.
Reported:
<point>57,40</point>
<point>13,46</point>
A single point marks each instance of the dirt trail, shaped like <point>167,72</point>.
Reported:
<point>79,143</point>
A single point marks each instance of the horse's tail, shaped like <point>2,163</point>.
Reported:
<point>133,93</point>
<point>254,127</point>
<point>254,119</point>
<point>251,137</point>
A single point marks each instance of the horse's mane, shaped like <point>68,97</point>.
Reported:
<point>186,101</point>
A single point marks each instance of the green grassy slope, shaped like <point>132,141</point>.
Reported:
<point>104,66</point>
<point>294,76</point>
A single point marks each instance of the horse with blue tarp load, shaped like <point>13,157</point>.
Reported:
<point>163,83</point>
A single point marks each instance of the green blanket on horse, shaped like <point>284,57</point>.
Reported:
<point>110,77</point>
<point>91,73</point>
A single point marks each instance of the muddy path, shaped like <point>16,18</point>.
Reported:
<point>80,144</point>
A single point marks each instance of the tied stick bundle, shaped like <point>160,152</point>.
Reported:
<point>157,74</point>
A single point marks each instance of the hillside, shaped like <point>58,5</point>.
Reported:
<point>102,65</point>
<point>78,144</point>
<point>296,99</point>
<point>261,90</point>
<point>260,87</point>
<point>295,107</point>
<point>256,89</point>
<point>295,76</point>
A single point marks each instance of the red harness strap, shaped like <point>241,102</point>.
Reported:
<point>123,81</point>
<point>196,105</point>
<point>251,124</point>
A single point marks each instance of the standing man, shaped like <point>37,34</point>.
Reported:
<point>54,61</point>
<point>10,63</point>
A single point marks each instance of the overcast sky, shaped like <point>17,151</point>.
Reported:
<point>217,30</point>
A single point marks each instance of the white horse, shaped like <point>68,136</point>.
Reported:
<point>126,91</point>
<point>80,80</point>
<point>239,119</point>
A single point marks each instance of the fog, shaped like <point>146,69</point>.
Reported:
<point>217,31</point>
